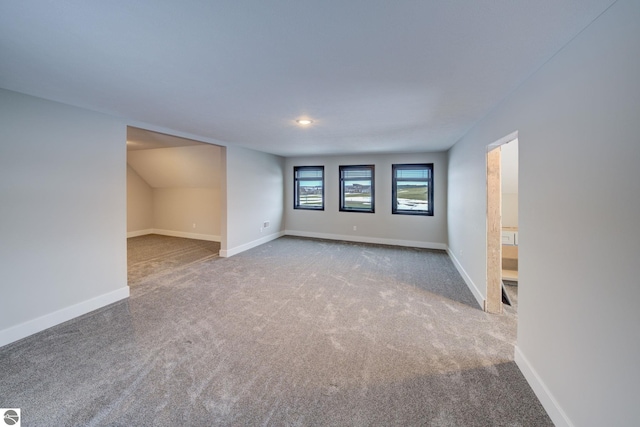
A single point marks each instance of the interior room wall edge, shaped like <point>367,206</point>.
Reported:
<point>173,233</point>
<point>39,324</point>
<point>545,396</point>
<point>225,253</point>
<point>467,279</point>
<point>367,239</point>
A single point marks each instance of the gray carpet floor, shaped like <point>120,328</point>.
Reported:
<point>295,332</point>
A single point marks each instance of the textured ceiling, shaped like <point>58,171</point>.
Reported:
<point>374,75</point>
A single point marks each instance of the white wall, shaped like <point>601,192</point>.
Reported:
<point>381,226</point>
<point>62,213</point>
<point>139,202</point>
<point>254,194</point>
<point>577,118</point>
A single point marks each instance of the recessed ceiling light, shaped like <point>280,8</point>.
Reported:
<point>304,121</point>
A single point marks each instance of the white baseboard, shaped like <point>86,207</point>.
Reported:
<point>23,330</point>
<point>472,286</point>
<point>365,239</point>
<point>550,404</point>
<point>196,236</point>
<point>234,251</point>
<point>139,233</point>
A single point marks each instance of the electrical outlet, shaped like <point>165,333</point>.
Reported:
<point>265,224</point>
<point>194,225</point>
<point>355,228</point>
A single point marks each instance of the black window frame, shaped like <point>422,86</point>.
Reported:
<point>394,187</point>
<point>296,187</point>
<point>342,183</point>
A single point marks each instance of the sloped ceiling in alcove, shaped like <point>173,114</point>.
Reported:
<point>166,161</point>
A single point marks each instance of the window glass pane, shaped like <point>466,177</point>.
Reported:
<point>412,196</point>
<point>310,194</point>
<point>356,185</point>
<point>308,187</point>
<point>357,195</point>
<point>412,189</point>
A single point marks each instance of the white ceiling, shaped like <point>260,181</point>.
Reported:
<point>374,75</point>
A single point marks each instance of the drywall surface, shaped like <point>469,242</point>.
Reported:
<point>578,127</point>
<point>509,167</point>
<point>254,194</point>
<point>184,183</point>
<point>62,212</point>
<point>509,183</point>
<point>139,202</point>
<point>381,226</point>
<point>509,210</point>
<point>187,210</point>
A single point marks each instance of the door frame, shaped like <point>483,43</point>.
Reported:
<point>493,300</point>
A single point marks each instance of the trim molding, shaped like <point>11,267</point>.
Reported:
<point>225,253</point>
<point>139,233</point>
<point>504,140</point>
<point>30,327</point>
<point>196,236</point>
<point>472,286</point>
<point>364,239</point>
<point>548,401</point>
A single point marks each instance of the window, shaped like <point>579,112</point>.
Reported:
<point>413,189</point>
<point>308,187</point>
<point>357,188</point>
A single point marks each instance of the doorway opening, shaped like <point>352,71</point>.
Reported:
<point>175,200</point>
<point>502,226</point>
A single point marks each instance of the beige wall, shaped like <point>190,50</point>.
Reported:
<point>139,202</point>
<point>509,210</point>
<point>509,175</point>
<point>187,210</point>
<point>175,191</point>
